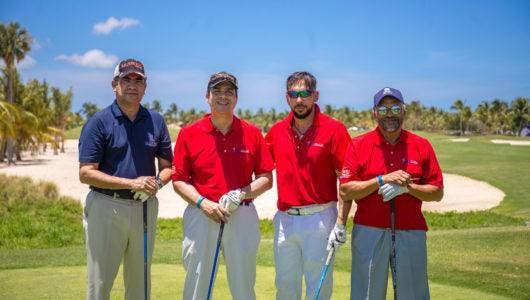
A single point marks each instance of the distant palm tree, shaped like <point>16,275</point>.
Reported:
<point>14,44</point>
<point>460,107</point>
<point>520,110</point>
<point>89,109</point>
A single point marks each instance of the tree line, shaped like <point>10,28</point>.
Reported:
<point>489,117</point>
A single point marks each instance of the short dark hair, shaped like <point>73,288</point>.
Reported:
<point>307,78</point>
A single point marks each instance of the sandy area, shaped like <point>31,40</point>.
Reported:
<point>512,142</point>
<point>460,140</point>
<point>461,193</point>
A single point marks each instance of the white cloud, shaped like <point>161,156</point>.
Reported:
<point>94,58</point>
<point>112,23</point>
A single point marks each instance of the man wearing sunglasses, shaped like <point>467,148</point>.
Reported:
<point>390,172</point>
<point>308,148</point>
<point>118,148</point>
<point>221,165</point>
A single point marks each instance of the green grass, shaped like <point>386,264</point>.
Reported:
<point>503,166</point>
<point>167,283</point>
<point>73,133</point>
<point>490,262</point>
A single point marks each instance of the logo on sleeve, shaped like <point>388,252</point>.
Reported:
<point>345,173</point>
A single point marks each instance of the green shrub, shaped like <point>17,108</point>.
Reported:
<point>33,215</point>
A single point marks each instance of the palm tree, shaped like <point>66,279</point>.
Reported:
<point>89,109</point>
<point>460,106</point>
<point>14,44</point>
<point>62,103</point>
<point>520,110</point>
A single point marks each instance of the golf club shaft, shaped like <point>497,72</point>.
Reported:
<point>216,256</point>
<point>145,248</point>
<point>324,272</point>
<point>393,250</point>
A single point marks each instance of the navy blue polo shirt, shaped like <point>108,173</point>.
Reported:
<point>123,148</point>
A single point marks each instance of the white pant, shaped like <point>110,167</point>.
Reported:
<point>114,230</point>
<point>300,249</point>
<point>239,245</point>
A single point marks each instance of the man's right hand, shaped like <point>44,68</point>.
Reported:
<point>145,184</point>
<point>400,177</point>
<point>214,211</point>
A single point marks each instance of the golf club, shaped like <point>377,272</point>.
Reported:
<point>216,256</point>
<point>145,248</point>
<point>324,272</point>
<point>393,250</point>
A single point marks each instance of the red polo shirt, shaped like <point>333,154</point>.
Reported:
<point>370,155</point>
<point>215,163</point>
<point>305,168</point>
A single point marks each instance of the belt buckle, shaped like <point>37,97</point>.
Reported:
<point>298,213</point>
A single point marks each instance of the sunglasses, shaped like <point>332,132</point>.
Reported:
<point>296,94</point>
<point>383,110</point>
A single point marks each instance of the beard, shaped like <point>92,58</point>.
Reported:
<point>303,115</point>
<point>389,124</point>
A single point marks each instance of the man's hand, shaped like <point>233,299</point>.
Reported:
<point>214,211</point>
<point>337,237</point>
<point>400,177</point>
<point>391,190</point>
<point>231,200</point>
<point>145,184</point>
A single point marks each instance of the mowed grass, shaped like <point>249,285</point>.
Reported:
<point>463,264</point>
<point>168,283</point>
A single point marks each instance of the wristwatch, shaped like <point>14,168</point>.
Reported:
<point>159,182</point>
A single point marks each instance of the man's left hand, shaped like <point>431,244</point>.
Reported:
<point>337,237</point>
<point>391,190</point>
<point>231,200</point>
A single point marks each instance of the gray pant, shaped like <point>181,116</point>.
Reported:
<point>114,230</point>
<point>370,263</point>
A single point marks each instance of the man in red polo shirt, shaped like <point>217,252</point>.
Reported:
<point>308,148</point>
<point>214,162</point>
<point>390,172</point>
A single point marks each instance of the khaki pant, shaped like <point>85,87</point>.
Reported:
<point>114,231</point>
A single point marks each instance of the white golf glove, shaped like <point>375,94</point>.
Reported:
<point>337,237</point>
<point>231,200</point>
<point>391,190</point>
<point>140,196</point>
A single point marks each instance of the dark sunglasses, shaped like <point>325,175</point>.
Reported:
<point>296,94</point>
<point>383,110</point>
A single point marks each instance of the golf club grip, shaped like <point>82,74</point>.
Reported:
<point>393,249</point>
<point>216,255</point>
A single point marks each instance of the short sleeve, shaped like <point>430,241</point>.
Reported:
<point>92,142</point>
<point>269,142</point>
<point>164,143</point>
<point>181,167</point>
<point>351,168</point>
<point>431,171</point>
<point>339,145</point>
<point>264,162</point>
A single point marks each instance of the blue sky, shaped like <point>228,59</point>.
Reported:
<point>433,51</point>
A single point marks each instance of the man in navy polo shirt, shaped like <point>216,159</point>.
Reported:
<point>117,151</point>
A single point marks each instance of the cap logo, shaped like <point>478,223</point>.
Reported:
<point>387,91</point>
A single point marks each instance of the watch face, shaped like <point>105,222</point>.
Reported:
<point>159,182</point>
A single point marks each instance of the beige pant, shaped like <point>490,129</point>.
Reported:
<point>114,230</point>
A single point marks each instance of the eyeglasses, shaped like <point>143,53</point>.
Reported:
<point>383,110</point>
<point>296,94</point>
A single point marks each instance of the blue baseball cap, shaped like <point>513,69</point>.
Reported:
<point>388,92</point>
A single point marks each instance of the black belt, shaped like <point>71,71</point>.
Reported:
<point>123,194</point>
<point>246,203</point>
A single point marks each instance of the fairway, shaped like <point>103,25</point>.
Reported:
<point>168,280</point>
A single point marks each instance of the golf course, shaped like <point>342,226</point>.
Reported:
<point>472,255</point>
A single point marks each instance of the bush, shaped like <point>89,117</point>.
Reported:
<point>33,215</point>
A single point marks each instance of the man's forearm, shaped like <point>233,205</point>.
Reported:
<point>101,180</point>
<point>426,192</point>
<point>262,183</point>
<point>358,189</point>
<point>186,191</point>
<point>344,211</point>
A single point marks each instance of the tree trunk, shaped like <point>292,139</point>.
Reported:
<point>11,99</point>
<point>3,143</point>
